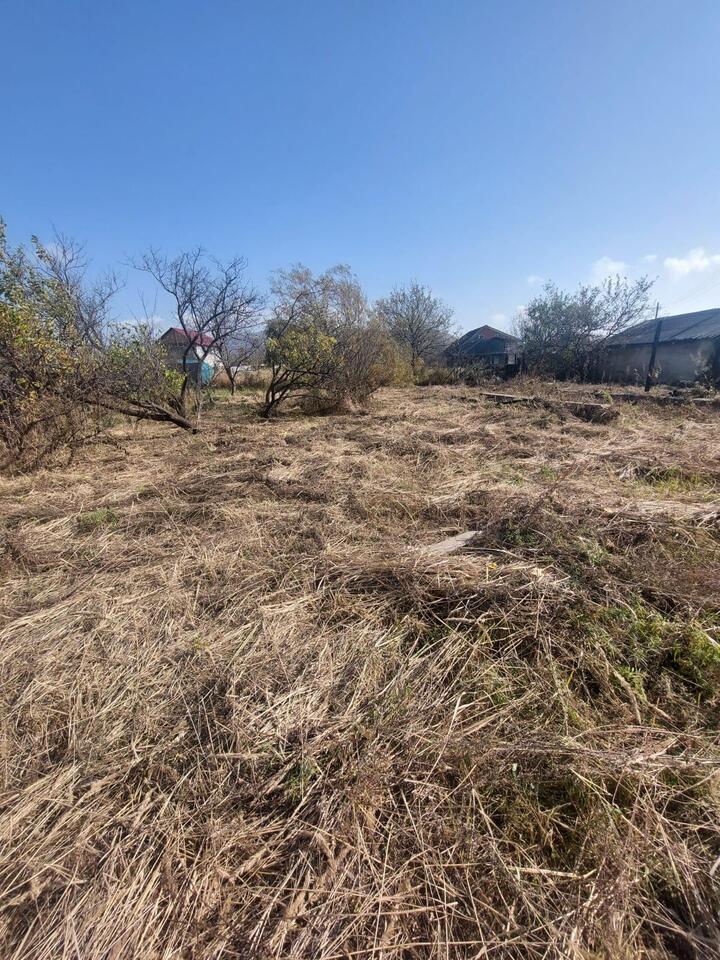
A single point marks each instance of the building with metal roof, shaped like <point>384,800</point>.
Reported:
<point>688,349</point>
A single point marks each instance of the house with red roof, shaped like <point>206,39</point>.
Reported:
<point>191,352</point>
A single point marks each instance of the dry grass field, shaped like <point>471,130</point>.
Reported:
<point>245,716</point>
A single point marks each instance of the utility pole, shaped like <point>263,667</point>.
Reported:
<point>653,352</point>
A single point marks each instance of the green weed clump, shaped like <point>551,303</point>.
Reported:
<point>95,519</point>
<point>697,657</point>
<point>645,645</point>
<point>675,480</point>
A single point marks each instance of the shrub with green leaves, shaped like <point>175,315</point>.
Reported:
<point>38,383</point>
<point>301,360</point>
<point>130,377</point>
<point>63,367</point>
<point>323,342</point>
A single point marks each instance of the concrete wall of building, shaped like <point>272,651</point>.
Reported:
<point>684,360</point>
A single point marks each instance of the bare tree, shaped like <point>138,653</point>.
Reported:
<point>420,323</point>
<point>620,303</point>
<point>86,314</point>
<point>236,352</point>
<point>564,334</point>
<point>334,299</point>
<point>214,302</point>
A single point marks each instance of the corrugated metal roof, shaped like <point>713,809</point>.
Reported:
<point>700,325</point>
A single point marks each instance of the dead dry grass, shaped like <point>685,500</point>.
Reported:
<point>244,716</point>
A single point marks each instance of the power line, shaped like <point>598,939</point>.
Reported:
<point>693,293</point>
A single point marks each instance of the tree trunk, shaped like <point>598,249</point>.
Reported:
<point>160,415</point>
<point>183,394</point>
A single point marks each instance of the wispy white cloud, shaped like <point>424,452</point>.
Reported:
<point>681,283</point>
<point>696,260</point>
<point>689,282</point>
<point>498,317</point>
<point>607,267</point>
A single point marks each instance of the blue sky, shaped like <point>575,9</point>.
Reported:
<point>476,146</point>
